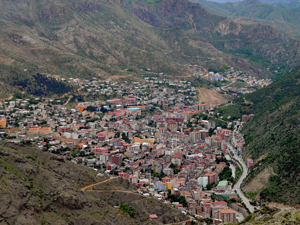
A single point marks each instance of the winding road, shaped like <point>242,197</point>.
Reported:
<point>237,186</point>
<point>226,86</point>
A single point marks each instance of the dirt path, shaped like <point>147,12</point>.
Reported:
<point>281,207</point>
<point>126,192</point>
<point>210,96</point>
<point>67,102</point>
<point>6,99</point>
<point>92,185</point>
<point>109,191</point>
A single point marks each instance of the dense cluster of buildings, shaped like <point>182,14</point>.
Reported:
<point>157,141</point>
<point>245,82</point>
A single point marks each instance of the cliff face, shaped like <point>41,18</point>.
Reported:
<point>39,188</point>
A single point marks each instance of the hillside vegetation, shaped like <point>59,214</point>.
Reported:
<point>285,18</point>
<point>96,38</point>
<point>289,3</point>
<point>264,46</point>
<point>41,188</point>
<point>272,216</point>
<point>272,136</point>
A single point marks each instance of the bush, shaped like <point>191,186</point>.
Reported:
<point>127,209</point>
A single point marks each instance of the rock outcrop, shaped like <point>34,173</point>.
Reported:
<point>273,216</point>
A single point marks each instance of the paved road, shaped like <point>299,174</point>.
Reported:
<point>222,88</point>
<point>239,216</point>
<point>238,184</point>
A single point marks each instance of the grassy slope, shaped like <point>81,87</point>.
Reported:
<point>274,134</point>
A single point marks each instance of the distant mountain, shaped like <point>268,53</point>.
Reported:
<point>95,38</point>
<point>283,16</point>
<point>274,2</point>
<point>291,4</point>
<point>272,139</point>
<point>224,1</point>
<point>271,2</point>
<point>263,45</point>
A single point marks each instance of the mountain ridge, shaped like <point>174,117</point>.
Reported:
<point>261,44</point>
<point>97,38</point>
<point>281,17</point>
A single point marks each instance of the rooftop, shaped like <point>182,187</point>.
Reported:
<point>222,183</point>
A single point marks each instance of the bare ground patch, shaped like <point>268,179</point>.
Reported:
<point>6,60</point>
<point>260,181</point>
<point>211,96</point>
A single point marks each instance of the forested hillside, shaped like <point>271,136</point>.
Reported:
<point>273,136</point>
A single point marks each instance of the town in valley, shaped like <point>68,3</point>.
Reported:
<point>156,133</point>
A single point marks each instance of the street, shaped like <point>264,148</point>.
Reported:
<point>238,184</point>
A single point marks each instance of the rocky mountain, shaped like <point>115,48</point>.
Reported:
<point>41,188</point>
<point>272,139</point>
<point>87,38</point>
<point>262,45</point>
<point>281,17</point>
